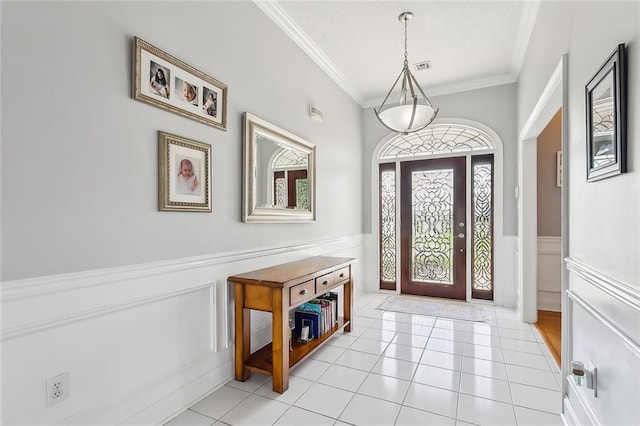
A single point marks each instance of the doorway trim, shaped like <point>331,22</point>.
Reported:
<point>554,96</point>
<point>550,101</point>
<point>501,293</point>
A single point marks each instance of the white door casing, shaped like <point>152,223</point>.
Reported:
<point>554,97</point>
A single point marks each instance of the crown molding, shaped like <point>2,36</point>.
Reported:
<point>527,22</point>
<point>288,25</point>
<point>448,89</point>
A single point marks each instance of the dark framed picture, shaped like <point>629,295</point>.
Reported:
<point>606,100</point>
<point>166,82</point>
<point>184,168</point>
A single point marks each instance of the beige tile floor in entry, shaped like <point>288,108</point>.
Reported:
<point>403,369</point>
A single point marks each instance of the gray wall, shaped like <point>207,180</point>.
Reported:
<point>606,232</point>
<point>549,143</point>
<point>604,229</point>
<point>494,107</point>
<point>79,155</point>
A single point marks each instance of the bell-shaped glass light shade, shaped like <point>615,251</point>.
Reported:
<point>399,117</point>
<point>413,112</point>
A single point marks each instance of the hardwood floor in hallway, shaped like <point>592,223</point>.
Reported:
<point>549,326</point>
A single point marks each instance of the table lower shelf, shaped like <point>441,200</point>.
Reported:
<point>261,360</point>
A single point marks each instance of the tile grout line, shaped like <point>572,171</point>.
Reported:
<point>379,356</point>
<point>513,407</point>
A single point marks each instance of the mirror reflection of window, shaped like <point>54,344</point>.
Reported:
<point>603,123</point>
<point>281,191</point>
<point>302,194</point>
<point>291,190</point>
<point>286,184</point>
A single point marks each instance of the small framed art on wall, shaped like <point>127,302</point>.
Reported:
<point>606,100</point>
<point>184,170</point>
<point>166,82</point>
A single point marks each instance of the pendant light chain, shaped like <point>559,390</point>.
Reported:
<point>406,55</point>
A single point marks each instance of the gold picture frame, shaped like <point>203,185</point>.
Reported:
<point>164,81</point>
<point>184,170</point>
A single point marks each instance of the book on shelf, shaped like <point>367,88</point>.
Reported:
<point>292,326</point>
<point>310,319</point>
<point>312,306</point>
<point>325,317</point>
<point>319,314</point>
<point>332,296</point>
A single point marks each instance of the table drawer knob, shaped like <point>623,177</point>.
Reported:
<point>303,292</point>
<point>325,283</point>
<point>342,275</point>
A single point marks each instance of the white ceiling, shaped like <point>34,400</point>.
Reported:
<point>360,44</point>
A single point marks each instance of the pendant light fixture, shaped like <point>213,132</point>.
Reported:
<point>413,111</point>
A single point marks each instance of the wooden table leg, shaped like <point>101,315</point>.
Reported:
<point>243,334</point>
<point>280,346</point>
<point>348,303</point>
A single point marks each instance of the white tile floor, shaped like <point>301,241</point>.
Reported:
<point>402,369</point>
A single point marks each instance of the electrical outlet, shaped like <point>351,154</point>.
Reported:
<point>57,388</point>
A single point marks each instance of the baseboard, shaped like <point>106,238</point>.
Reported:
<point>174,404</point>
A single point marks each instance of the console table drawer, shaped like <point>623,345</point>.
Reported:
<point>324,282</point>
<point>299,293</point>
<point>342,274</point>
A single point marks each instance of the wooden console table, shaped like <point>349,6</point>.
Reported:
<point>280,289</point>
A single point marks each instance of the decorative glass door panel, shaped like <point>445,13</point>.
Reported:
<point>482,222</point>
<point>433,255</point>
<point>291,189</point>
<point>431,222</point>
<point>387,228</point>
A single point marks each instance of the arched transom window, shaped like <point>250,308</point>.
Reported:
<point>437,139</point>
<point>289,158</point>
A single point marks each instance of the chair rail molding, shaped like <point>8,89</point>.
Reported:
<point>623,292</point>
<point>30,287</point>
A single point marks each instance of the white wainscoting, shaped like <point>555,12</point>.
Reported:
<point>604,329</point>
<point>506,271</point>
<point>549,274</point>
<point>140,343</point>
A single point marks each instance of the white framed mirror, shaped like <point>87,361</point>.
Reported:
<point>279,174</point>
